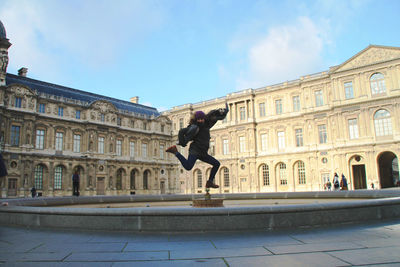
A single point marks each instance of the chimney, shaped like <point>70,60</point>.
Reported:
<point>22,72</point>
<point>135,99</point>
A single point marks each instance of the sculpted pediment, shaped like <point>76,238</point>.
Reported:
<point>21,90</point>
<point>370,55</point>
<point>103,106</point>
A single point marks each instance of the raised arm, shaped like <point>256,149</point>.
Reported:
<point>216,114</point>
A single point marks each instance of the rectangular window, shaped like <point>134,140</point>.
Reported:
<point>77,143</point>
<point>319,100</point>
<point>161,151</point>
<point>42,108</point>
<point>38,177</point>
<point>118,149</point>
<point>301,172</point>
<point>100,145</point>
<point>211,150</point>
<point>225,146</point>
<point>144,150</point>
<point>132,149</point>
<point>60,111</point>
<point>278,106</point>
<point>58,177</point>
<point>102,117</point>
<point>78,114</point>
<point>348,90</point>
<point>242,144</point>
<point>299,137</point>
<point>281,140</point>
<point>353,129</point>
<point>264,142</point>
<point>15,131</point>
<point>296,103</point>
<point>39,139</point>
<point>18,102</point>
<point>261,109</point>
<point>242,112</point>
<point>59,141</point>
<point>322,134</point>
<point>119,121</point>
<point>180,123</point>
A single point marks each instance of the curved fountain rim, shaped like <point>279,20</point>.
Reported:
<point>41,211</point>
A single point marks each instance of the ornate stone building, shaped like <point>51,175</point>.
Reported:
<point>48,131</point>
<point>295,135</point>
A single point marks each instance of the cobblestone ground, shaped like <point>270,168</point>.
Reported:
<point>373,244</point>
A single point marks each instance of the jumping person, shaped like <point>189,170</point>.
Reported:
<point>199,131</point>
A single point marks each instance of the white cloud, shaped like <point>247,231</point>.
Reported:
<point>48,34</point>
<point>285,53</point>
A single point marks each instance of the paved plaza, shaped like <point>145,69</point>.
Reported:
<point>373,244</point>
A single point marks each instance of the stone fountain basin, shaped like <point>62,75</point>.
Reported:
<point>262,211</point>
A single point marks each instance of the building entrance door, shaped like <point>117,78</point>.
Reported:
<point>360,179</point>
<point>100,186</point>
<point>12,187</point>
<point>162,187</point>
<point>243,185</point>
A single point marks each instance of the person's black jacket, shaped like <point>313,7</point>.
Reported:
<point>201,141</point>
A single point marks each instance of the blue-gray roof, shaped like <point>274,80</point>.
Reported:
<point>2,31</point>
<point>86,97</point>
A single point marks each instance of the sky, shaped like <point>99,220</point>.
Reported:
<point>176,52</point>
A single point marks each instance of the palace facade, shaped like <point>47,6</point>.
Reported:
<point>49,131</point>
<point>291,136</point>
<point>295,135</point>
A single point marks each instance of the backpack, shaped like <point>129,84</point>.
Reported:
<point>187,134</point>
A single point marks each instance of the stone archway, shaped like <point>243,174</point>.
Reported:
<point>388,166</point>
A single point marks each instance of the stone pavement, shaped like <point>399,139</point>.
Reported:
<point>373,244</point>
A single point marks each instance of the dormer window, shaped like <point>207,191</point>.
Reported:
<point>18,102</point>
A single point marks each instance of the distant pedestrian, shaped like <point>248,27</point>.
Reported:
<point>3,169</point>
<point>343,183</point>
<point>336,183</point>
<point>33,192</point>
<point>75,184</point>
<point>329,185</point>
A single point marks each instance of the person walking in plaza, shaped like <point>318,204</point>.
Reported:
<point>336,184</point>
<point>75,183</point>
<point>33,192</point>
<point>3,174</point>
<point>199,131</point>
<point>343,183</point>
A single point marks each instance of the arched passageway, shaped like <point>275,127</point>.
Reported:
<point>388,170</point>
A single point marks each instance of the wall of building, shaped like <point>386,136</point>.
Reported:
<point>359,130</point>
<point>33,125</point>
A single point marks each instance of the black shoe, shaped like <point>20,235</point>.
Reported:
<point>211,184</point>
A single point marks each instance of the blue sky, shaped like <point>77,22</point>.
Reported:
<point>174,52</point>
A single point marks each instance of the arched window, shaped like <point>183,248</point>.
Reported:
<point>133,179</point>
<point>118,183</point>
<point>300,172</point>
<point>383,123</point>
<point>377,83</point>
<point>146,179</point>
<point>39,177</point>
<point>282,173</point>
<point>58,173</point>
<point>226,177</point>
<point>264,172</point>
<point>199,177</point>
